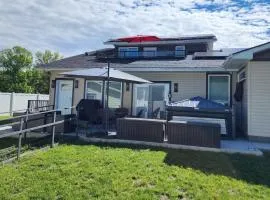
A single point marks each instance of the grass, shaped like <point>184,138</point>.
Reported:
<point>2,117</point>
<point>118,172</point>
<point>9,146</point>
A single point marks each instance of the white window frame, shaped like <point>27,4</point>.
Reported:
<point>148,50</point>
<point>229,85</point>
<point>121,93</point>
<point>102,88</point>
<point>147,85</point>
<point>127,49</point>
<point>103,91</point>
<point>181,48</point>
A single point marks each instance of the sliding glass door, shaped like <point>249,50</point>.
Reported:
<point>140,100</point>
<point>149,100</point>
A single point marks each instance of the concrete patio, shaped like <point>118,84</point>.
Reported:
<point>244,145</point>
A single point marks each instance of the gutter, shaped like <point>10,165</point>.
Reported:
<point>60,69</point>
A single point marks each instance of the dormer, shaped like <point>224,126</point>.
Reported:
<point>151,47</point>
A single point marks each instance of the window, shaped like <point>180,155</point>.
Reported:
<point>128,52</point>
<point>149,51</point>
<point>180,51</point>
<point>93,90</point>
<point>219,88</point>
<point>115,94</point>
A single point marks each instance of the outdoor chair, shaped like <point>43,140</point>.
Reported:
<point>121,112</point>
<point>141,112</point>
<point>155,113</point>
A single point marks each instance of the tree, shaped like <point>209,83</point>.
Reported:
<point>19,83</point>
<point>46,57</point>
<point>40,80</point>
<point>17,73</point>
<point>14,62</point>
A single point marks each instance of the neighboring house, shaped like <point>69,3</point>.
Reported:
<point>180,68</point>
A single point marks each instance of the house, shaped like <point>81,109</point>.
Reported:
<point>180,68</point>
<point>253,72</point>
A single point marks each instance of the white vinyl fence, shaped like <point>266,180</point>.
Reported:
<point>17,102</point>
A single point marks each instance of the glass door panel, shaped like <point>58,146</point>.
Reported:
<point>115,94</point>
<point>151,98</point>
<point>140,100</point>
<point>159,96</point>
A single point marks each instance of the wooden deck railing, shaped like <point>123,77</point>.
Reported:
<point>39,105</point>
<point>24,118</point>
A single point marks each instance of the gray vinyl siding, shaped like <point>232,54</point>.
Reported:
<point>189,84</point>
<point>259,99</point>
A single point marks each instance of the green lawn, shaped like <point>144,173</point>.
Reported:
<point>4,117</point>
<point>111,172</point>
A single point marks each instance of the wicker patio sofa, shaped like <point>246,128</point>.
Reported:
<point>193,133</point>
<point>151,130</point>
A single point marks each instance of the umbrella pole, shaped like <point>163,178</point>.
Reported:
<point>107,99</point>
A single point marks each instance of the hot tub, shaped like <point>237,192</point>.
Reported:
<point>199,109</point>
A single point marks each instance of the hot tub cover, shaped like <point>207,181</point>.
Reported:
<point>201,109</point>
<point>198,103</point>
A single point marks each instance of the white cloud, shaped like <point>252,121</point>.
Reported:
<point>75,26</point>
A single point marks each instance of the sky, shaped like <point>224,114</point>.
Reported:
<point>75,26</point>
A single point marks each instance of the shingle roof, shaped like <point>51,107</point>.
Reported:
<point>89,60</point>
<point>86,60</point>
